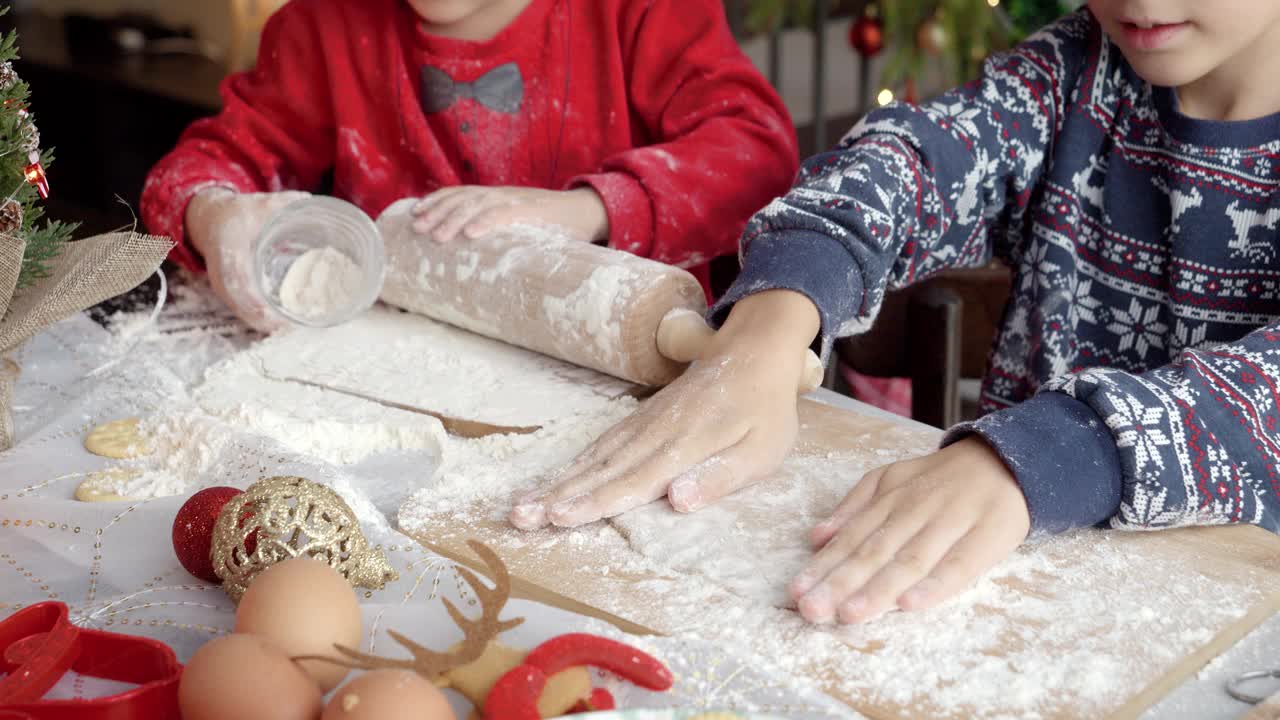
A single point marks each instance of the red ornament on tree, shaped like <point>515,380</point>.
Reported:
<point>193,530</point>
<point>35,175</point>
<point>866,35</point>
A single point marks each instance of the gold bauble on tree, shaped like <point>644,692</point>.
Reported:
<point>284,517</point>
<point>931,36</point>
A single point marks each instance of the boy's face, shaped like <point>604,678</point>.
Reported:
<point>1173,43</point>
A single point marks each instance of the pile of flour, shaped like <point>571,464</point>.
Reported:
<point>410,360</point>
<point>268,392</point>
<point>311,421</point>
<point>321,283</point>
<point>187,449</point>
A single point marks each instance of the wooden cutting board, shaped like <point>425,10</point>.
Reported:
<point>586,572</point>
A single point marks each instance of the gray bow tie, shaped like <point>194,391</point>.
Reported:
<point>500,89</point>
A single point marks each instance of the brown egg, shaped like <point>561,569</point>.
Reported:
<point>304,607</point>
<point>244,677</point>
<point>388,695</point>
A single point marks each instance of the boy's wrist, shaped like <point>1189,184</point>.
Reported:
<point>1040,439</point>
<point>594,215</point>
<point>774,322</point>
<point>208,197</point>
<point>199,208</point>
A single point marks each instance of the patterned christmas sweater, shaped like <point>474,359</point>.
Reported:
<point>1134,377</point>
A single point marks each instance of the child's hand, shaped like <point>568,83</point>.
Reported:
<point>727,422</point>
<point>221,225</point>
<point>472,211</point>
<point>913,534</point>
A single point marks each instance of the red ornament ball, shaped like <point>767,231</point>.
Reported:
<point>866,35</point>
<point>193,530</point>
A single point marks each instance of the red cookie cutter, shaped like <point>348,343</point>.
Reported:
<point>38,645</point>
<point>515,695</point>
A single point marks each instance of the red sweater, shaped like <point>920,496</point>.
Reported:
<point>649,102</point>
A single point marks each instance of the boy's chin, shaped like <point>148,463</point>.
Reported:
<point>1166,71</point>
<point>444,12</point>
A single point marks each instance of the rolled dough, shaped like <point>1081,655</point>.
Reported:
<point>755,541</point>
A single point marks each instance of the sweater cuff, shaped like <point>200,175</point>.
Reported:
<point>810,263</point>
<point>1063,456</point>
<point>629,209</point>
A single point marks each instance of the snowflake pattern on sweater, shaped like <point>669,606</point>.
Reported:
<point>1134,377</point>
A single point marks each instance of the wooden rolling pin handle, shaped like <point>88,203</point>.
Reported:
<point>682,335</point>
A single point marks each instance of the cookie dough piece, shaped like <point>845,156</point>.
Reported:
<point>103,486</point>
<point>564,689</point>
<point>118,439</point>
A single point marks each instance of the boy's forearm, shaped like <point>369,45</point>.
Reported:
<point>721,141</point>
<point>1197,440</point>
<point>909,192</point>
<point>1177,445</point>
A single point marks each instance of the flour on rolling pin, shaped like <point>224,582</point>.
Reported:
<point>534,288</point>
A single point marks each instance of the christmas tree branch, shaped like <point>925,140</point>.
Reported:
<point>21,167</point>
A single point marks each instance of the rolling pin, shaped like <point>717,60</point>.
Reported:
<point>604,309</point>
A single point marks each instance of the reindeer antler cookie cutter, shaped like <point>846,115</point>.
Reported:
<point>478,633</point>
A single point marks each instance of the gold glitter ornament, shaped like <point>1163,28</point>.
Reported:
<point>284,517</point>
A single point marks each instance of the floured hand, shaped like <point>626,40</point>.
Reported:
<point>472,211</point>
<point>912,534</point>
<point>222,225</point>
<point>729,421</point>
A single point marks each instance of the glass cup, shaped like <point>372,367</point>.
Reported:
<point>316,223</point>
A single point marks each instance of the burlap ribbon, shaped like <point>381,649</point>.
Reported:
<point>84,274</point>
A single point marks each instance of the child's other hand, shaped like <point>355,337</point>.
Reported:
<point>913,534</point>
<point>726,423</point>
<point>221,225</point>
<point>472,211</point>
